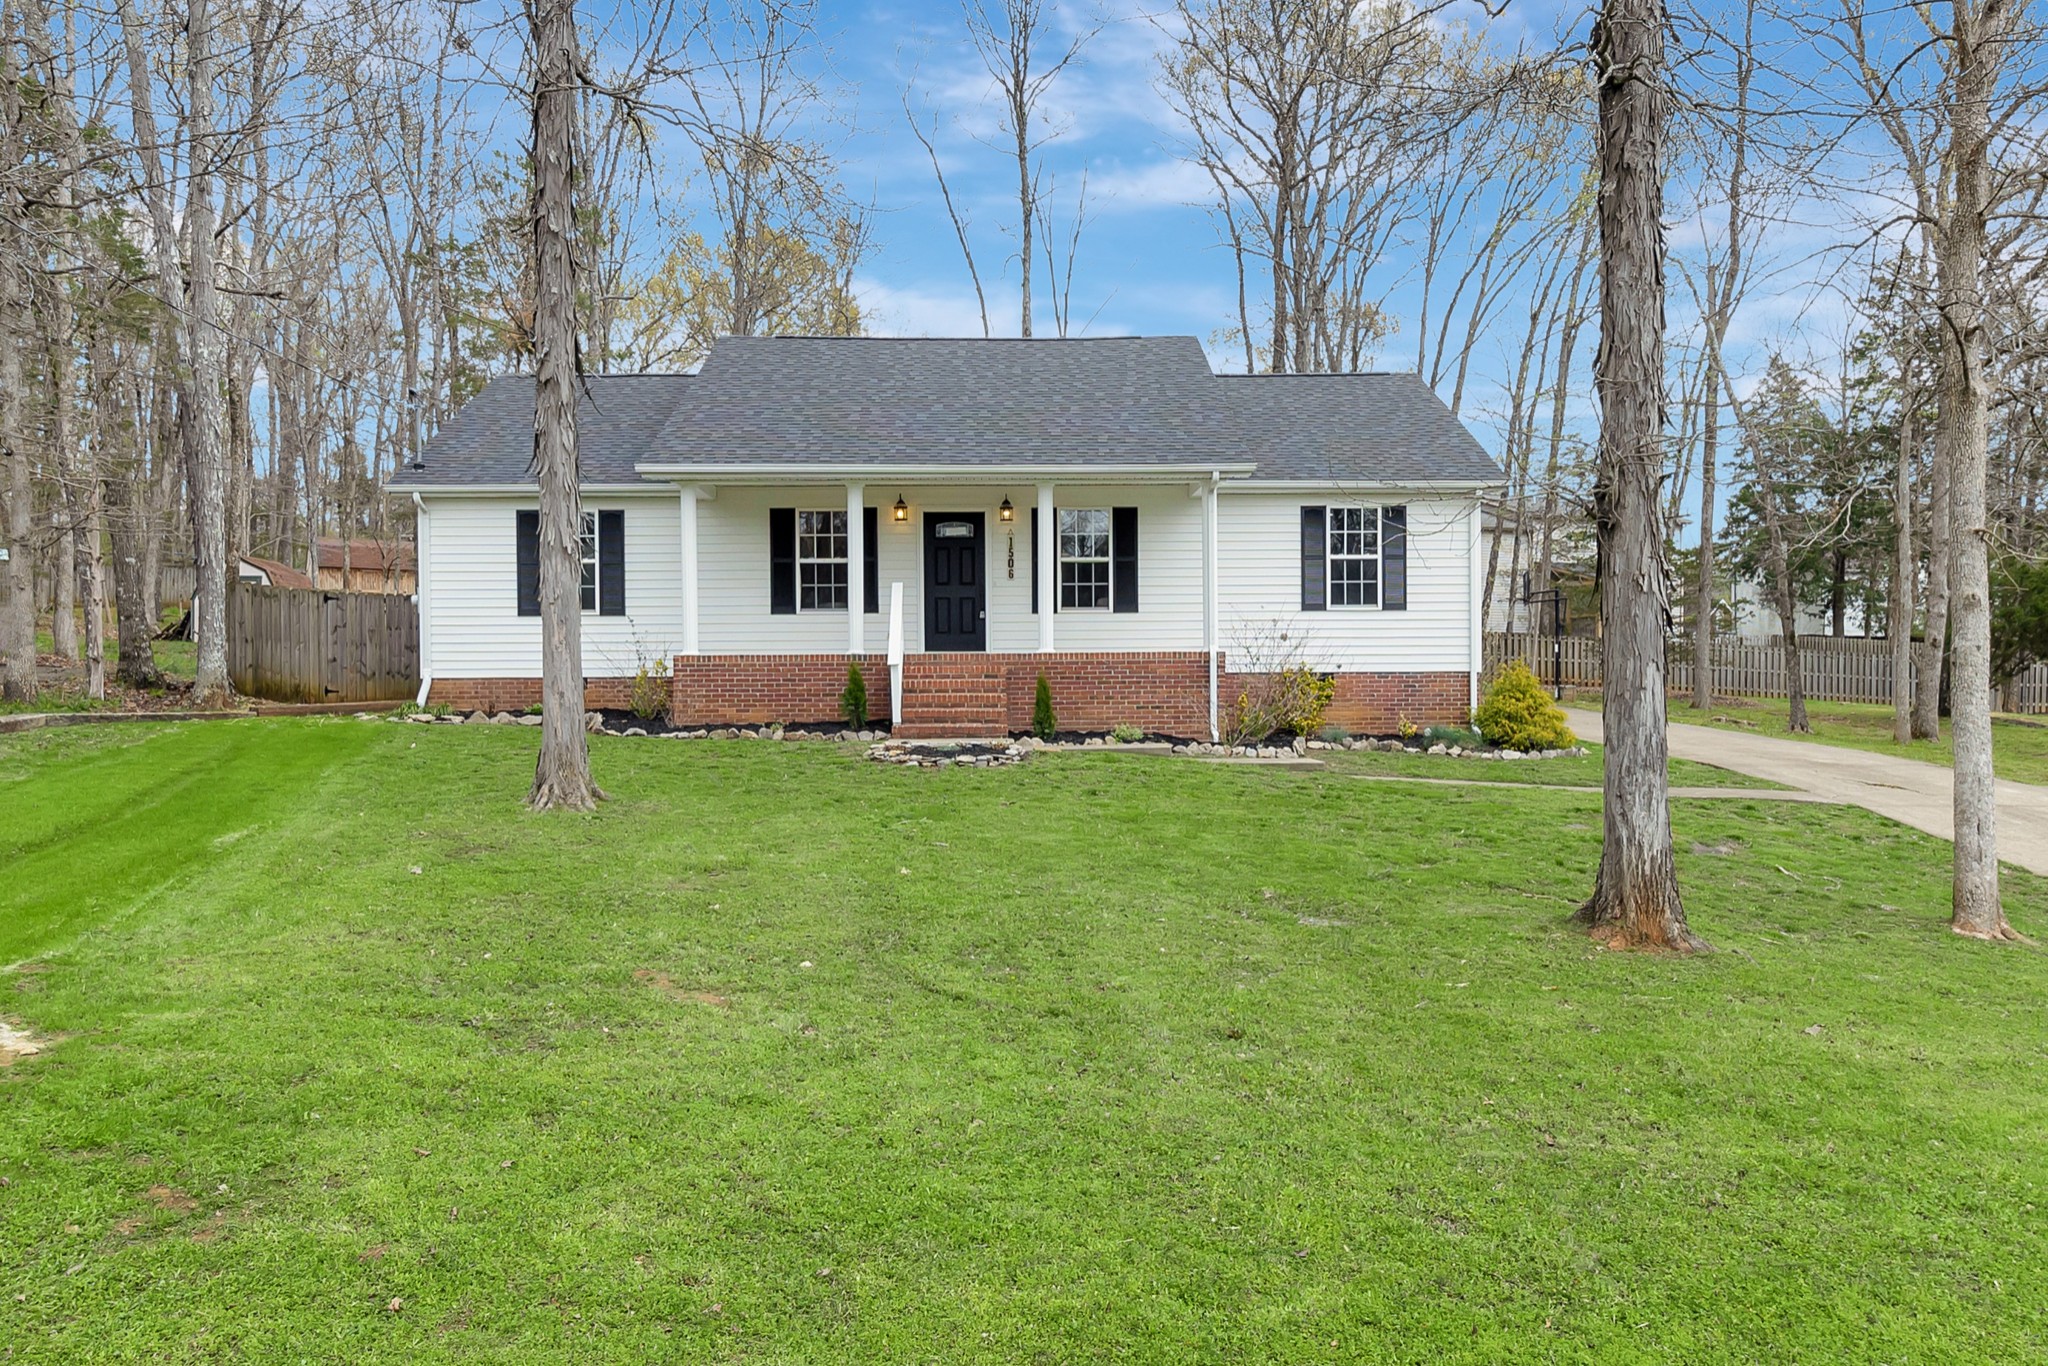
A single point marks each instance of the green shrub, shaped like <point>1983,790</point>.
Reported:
<point>1518,714</point>
<point>1043,723</point>
<point>1304,696</point>
<point>649,696</point>
<point>1460,736</point>
<point>1335,735</point>
<point>1127,734</point>
<point>853,703</point>
<point>1292,699</point>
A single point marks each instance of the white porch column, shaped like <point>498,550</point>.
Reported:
<point>690,493</point>
<point>856,570</point>
<point>1048,567</point>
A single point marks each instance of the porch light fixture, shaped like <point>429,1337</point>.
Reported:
<point>901,512</point>
<point>1006,513</point>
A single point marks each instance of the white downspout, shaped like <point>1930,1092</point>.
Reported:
<point>1472,610</point>
<point>1048,568</point>
<point>856,574</point>
<point>1210,592</point>
<point>422,586</point>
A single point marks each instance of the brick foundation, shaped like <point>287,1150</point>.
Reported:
<point>748,690</point>
<point>1164,691</point>
<point>517,694</point>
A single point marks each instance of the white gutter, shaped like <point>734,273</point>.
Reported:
<point>421,535</point>
<point>523,490</point>
<point>911,474</point>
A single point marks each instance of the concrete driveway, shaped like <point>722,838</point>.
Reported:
<point>1913,793</point>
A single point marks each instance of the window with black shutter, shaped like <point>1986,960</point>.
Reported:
<point>611,563</point>
<point>1315,562</point>
<point>526,538</point>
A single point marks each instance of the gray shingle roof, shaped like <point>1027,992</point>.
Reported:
<point>490,439</point>
<point>902,402</point>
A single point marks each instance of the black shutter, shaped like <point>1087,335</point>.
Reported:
<point>1034,562</point>
<point>1315,560</point>
<point>871,570</point>
<point>1123,564</point>
<point>1394,559</point>
<point>527,537</point>
<point>611,564</point>
<point>782,561</point>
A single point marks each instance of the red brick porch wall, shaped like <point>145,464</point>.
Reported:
<point>517,694</point>
<point>1164,691</point>
<point>747,690</point>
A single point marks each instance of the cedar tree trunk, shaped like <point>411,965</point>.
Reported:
<point>1635,901</point>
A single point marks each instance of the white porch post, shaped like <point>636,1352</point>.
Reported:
<point>690,494</point>
<point>1048,567</point>
<point>856,570</point>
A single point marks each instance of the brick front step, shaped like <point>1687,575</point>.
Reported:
<point>949,730</point>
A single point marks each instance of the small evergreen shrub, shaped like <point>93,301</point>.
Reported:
<point>1333,735</point>
<point>1043,723</point>
<point>853,703</point>
<point>1127,734</point>
<point>1518,714</point>
<point>1304,696</point>
<point>1460,736</point>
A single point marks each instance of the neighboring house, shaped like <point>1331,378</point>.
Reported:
<point>1109,513</point>
<point>363,566</point>
<point>253,569</point>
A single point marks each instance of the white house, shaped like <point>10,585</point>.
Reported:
<point>1109,513</point>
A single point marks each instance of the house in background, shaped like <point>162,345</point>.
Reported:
<point>254,569</point>
<point>363,565</point>
<point>1109,513</point>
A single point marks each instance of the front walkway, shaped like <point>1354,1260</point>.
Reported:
<point>1906,790</point>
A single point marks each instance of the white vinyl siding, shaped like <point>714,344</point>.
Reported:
<point>1259,594</point>
<point>474,628</point>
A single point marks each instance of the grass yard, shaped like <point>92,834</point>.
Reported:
<point>2019,751</point>
<point>1567,771</point>
<point>786,1057</point>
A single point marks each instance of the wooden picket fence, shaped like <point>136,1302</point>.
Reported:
<point>311,645</point>
<point>1832,670</point>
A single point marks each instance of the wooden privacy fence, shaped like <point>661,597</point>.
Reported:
<point>1832,670</point>
<point>310,645</point>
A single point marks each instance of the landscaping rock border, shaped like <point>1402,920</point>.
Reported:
<point>926,753</point>
<point>945,754</point>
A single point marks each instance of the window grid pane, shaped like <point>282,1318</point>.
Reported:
<point>1084,554</point>
<point>1354,557</point>
<point>821,561</point>
<point>588,550</point>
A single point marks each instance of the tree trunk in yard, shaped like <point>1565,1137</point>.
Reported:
<point>1932,651</point>
<point>1979,30</point>
<point>1635,901</point>
<point>561,779</point>
<point>1900,610</point>
<point>205,459</point>
<point>17,573</point>
<point>1782,595</point>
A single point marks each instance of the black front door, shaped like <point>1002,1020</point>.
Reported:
<point>955,609</point>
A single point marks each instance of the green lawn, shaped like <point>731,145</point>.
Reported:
<point>1568,771</point>
<point>2018,751</point>
<point>787,1057</point>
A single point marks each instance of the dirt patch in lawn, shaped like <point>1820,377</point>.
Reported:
<point>17,1043</point>
<point>666,985</point>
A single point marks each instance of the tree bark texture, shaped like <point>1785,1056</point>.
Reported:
<point>561,778</point>
<point>17,574</point>
<point>1900,609</point>
<point>206,471</point>
<point>1931,653</point>
<point>1975,53</point>
<point>1635,901</point>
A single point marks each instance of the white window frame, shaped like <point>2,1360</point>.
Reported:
<point>1377,559</point>
<point>803,559</point>
<point>1107,560</point>
<point>587,579</point>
